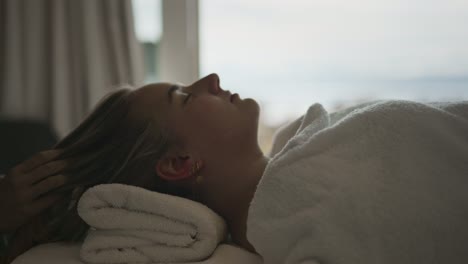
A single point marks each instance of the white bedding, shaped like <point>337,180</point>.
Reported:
<point>383,182</point>
<point>60,253</point>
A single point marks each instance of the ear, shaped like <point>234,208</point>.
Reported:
<point>175,167</point>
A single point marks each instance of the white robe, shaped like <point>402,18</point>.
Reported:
<point>382,182</point>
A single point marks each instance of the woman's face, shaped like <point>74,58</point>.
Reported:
<point>201,116</point>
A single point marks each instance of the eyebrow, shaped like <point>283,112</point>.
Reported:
<point>170,91</point>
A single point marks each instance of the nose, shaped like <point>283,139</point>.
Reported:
<point>209,82</point>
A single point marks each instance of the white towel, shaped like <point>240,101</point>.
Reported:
<point>132,224</point>
<point>69,253</point>
<point>383,182</point>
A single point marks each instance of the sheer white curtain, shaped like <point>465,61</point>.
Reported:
<point>59,57</point>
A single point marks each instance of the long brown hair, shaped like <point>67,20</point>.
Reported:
<point>109,146</point>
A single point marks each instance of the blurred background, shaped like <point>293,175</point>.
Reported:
<point>58,58</point>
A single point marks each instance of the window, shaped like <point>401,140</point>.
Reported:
<point>335,52</point>
<point>168,31</point>
<point>148,28</point>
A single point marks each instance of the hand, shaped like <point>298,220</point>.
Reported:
<point>23,191</point>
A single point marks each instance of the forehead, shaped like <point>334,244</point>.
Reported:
<point>151,98</point>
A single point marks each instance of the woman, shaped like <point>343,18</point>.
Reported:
<point>331,193</point>
<point>159,137</point>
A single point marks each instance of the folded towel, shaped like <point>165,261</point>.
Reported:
<point>132,224</point>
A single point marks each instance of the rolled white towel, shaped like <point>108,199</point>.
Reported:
<point>131,224</point>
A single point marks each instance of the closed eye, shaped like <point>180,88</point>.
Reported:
<point>187,98</point>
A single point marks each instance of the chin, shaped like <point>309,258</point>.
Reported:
<point>257,110</point>
<point>254,105</point>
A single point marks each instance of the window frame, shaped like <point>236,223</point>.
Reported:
<point>179,54</point>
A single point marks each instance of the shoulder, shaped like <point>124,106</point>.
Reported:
<point>315,119</point>
<point>283,134</point>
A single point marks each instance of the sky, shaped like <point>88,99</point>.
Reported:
<point>291,54</point>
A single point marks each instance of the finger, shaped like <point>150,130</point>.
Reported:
<point>43,203</point>
<point>37,160</point>
<point>47,185</point>
<point>44,171</point>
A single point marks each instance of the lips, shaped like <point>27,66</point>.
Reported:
<point>233,97</point>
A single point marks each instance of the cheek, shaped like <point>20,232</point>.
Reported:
<point>209,117</point>
<point>210,111</point>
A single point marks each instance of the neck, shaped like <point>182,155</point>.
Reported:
<point>231,194</point>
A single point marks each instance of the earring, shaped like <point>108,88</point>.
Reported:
<point>195,168</point>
